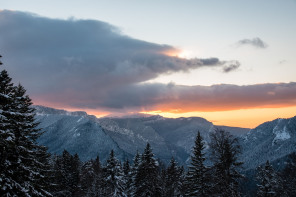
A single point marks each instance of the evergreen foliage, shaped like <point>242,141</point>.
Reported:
<point>224,149</point>
<point>24,163</point>
<point>147,180</point>
<point>196,178</point>
<point>113,177</point>
<point>270,183</point>
<point>173,180</point>
<point>67,179</point>
<point>289,175</point>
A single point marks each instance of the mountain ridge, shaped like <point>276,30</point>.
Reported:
<point>89,136</point>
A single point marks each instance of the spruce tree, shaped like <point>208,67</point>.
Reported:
<point>7,138</point>
<point>97,187</point>
<point>289,175</point>
<point>134,170</point>
<point>147,181</point>
<point>24,163</point>
<point>87,177</point>
<point>270,183</point>
<point>196,178</point>
<point>67,169</point>
<point>113,177</point>
<point>173,180</point>
<point>127,177</point>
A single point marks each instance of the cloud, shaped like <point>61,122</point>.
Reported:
<point>222,97</point>
<point>255,42</point>
<point>179,99</point>
<point>57,55</point>
<point>91,64</point>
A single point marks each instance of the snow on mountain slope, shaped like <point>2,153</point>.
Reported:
<point>88,136</point>
<point>76,132</point>
<point>269,141</point>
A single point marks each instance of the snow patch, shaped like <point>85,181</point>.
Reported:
<point>80,119</point>
<point>76,134</point>
<point>280,134</point>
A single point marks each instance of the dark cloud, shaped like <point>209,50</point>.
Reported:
<point>255,42</point>
<point>177,98</point>
<point>91,64</point>
<point>54,55</point>
<point>231,66</point>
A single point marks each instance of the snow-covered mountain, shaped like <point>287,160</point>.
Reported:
<point>76,132</point>
<point>89,136</point>
<point>269,141</point>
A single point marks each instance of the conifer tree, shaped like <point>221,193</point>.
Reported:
<point>113,177</point>
<point>87,178</point>
<point>134,170</point>
<point>196,178</point>
<point>225,149</point>
<point>289,175</point>
<point>7,138</point>
<point>67,169</point>
<point>270,183</point>
<point>173,180</point>
<point>147,180</point>
<point>127,177</point>
<point>24,163</point>
<point>98,179</point>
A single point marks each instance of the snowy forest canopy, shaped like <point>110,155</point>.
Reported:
<point>27,169</point>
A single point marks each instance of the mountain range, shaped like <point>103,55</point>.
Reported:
<point>88,136</point>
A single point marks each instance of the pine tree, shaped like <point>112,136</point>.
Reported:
<point>196,178</point>
<point>87,178</point>
<point>134,170</point>
<point>113,177</point>
<point>24,163</point>
<point>147,178</point>
<point>97,187</point>
<point>270,183</point>
<point>7,138</point>
<point>173,179</point>
<point>127,177</point>
<point>225,150</point>
<point>289,175</point>
<point>67,169</point>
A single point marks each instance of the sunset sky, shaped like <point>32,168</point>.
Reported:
<point>232,62</point>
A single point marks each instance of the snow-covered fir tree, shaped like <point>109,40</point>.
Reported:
<point>147,181</point>
<point>289,175</point>
<point>270,183</point>
<point>196,181</point>
<point>7,137</point>
<point>127,177</point>
<point>87,179</point>
<point>113,177</point>
<point>134,170</point>
<point>24,163</point>
<point>67,170</point>
<point>97,185</point>
<point>173,180</point>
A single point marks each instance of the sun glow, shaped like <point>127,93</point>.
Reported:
<point>248,118</point>
<point>179,53</point>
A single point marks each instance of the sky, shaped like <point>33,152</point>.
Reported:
<point>232,62</point>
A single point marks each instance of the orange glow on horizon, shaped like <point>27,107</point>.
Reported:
<point>247,118</point>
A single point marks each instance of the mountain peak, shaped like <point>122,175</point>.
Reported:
<point>42,110</point>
